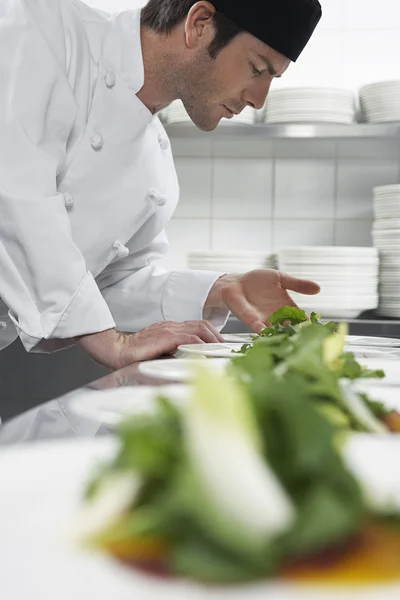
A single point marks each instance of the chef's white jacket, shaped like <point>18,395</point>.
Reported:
<point>87,181</point>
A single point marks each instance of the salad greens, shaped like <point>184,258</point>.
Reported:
<point>246,477</point>
<point>232,486</point>
<point>296,353</point>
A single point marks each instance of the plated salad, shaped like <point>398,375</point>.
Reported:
<point>307,358</point>
<point>247,480</point>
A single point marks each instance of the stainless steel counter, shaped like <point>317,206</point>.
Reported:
<point>56,419</point>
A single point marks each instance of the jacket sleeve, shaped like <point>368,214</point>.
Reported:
<point>139,292</point>
<point>43,275</point>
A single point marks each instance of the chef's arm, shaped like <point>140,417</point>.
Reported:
<point>139,292</point>
<point>43,276</point>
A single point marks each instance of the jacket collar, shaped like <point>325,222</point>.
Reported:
<point>123,48</point>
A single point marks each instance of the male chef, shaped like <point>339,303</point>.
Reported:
<point>87,179</point>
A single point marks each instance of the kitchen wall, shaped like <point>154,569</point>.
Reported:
<point>266,195</point>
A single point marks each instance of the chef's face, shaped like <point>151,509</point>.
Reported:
<point>239,76</point>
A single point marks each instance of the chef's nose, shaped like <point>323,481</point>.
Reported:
<point>256,96</point>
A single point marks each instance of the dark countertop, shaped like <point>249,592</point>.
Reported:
<point>54,419</point>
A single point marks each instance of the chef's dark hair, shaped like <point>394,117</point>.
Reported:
<point>163,15</point>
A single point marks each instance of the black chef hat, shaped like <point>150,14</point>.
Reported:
<point>285,25</point>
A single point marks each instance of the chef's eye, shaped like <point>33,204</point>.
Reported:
<point>255,71</point>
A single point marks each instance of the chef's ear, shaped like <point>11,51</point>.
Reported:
<point>199,25</point>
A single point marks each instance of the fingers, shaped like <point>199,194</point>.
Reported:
<point>302,286</point>
<point>173,339</point>
<point>164,338</point>
<point>205,331</point>
<point>185,339</point>
<point>244,311</point>
<point>149,345</point>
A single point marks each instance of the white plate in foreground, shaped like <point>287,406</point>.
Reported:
<point>114,405</point>
<point>211,350</point>
<point>239,338</point>
<point>358,340</point>
<point>351,340</point>
<point>178,369</point>
<point>388,395</point>
<point>42,487</point>
<point>362,352</point>
<point>391,368</point>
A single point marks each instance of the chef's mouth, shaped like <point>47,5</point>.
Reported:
<point>229,113</point>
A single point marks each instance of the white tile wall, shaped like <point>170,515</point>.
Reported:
<point>184,235</point>
<point>268,203</point>
<point>333,14</point>
<point>302,232</point>
<point>353,233</point>
<point>249,234</point>
<point>304,188</point>
<point>243,187</point>
<point>195,185</point>
<point>355,180</point>
<point>368,56</point>
<point>366,14</point>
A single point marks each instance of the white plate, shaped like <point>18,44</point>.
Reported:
<point>114,405</point>
<point>360,340</point>
<point>239,338</point>
<point>362,352</point>
<point>388,395</point>
<point>211,350</point>
<point>226,351</point>
<point>41,491</point>
<point>178,369</point>
<point>391,368</point>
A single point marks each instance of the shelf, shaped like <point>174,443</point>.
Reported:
<point>288,131</point>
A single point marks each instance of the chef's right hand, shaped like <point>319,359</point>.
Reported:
<point>115,350</point>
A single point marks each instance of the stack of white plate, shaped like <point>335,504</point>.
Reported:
<point>386,236</point>
<point>380,102</point>
<point>176,113</point>
<point>230,261</point>
<point>310,105</point>
<point>348,278</point>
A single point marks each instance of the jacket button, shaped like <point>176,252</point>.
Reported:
<point>68,200</point>
<point>164,142</point>
<point>97,141</point>
<point>157,198</point>
<point>121,250</point>
<point>3,325</point>
<point>110,79</point>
